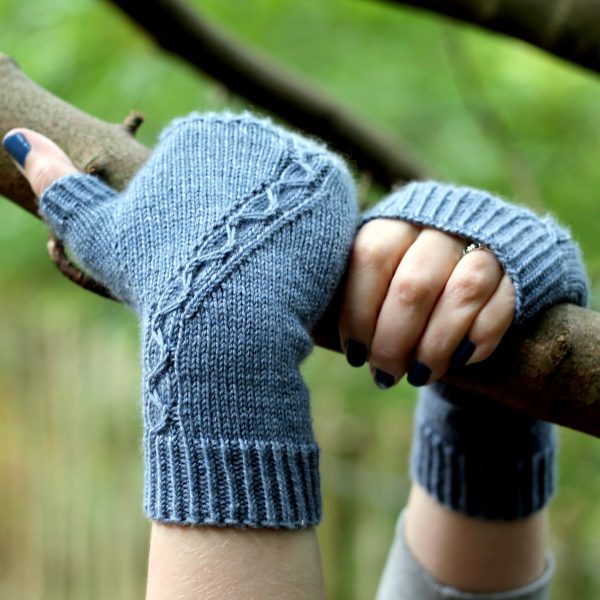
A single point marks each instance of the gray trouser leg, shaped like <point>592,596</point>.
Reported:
<point>405,579</point>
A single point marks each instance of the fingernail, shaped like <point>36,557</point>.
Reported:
<point>383,380</point>
<point>356,353</point>
<point>418,374</point>
<point>462,354</point>
<point>17,146</point>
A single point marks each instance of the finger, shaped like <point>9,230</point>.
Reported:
<point>469,288</point>
<point>493,321</point>
<point>37,157</point>
<point>378,248</point>
<point>414,290</point>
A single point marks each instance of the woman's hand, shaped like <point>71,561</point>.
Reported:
<point>413,304</point>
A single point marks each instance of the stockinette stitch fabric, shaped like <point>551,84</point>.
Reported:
<point>543,264</point>
<point>229,244</point>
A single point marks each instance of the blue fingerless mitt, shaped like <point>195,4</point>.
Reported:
<point>479,457</point>
<point>471,454</point>
<point>543,264</point>
<point>229,244</point>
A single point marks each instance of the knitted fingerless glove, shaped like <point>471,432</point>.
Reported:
<point>479,457</point>
<point>470,453</point>
<point>538,255</point>
<point>229,244</point>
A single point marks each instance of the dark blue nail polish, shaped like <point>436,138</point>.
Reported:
<point>383,380</point>
<point>462,354</point>
<point>17,146</point>
<point>418,374</point>
<point>356,353</point>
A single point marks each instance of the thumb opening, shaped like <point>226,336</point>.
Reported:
<point>37,157</point>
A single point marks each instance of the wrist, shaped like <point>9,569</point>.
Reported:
<point>480,458</point>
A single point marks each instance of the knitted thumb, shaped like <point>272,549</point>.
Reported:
<point>79,209</point>
<point>80,218</point>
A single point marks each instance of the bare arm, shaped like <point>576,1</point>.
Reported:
<point>474,554</point>
<point>206,563</point>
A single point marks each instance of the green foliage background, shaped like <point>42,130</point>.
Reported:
<point>476,108</point>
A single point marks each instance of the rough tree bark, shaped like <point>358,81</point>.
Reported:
<point>549,368</point>
<point>94,145</point>
<point>565,28</point>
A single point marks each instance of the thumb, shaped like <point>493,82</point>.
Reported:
<point>37,157</point>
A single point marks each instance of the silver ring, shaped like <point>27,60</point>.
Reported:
<point>474,246</point>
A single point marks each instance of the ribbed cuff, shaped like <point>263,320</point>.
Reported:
<point>231,483</point>
<point>576,287</point>
<point>480,458</point>
<point>525,244</point>
<point>67,199</point>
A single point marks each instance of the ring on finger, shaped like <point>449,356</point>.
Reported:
<point>473,246</point>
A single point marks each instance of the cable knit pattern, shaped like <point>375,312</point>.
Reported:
<point>229,244</point>
<point>538,255</point>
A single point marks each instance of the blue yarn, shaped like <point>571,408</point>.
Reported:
<point>481,458</point>
<point>229,244</point>
<point>469,453</point>
<point>543,264</point>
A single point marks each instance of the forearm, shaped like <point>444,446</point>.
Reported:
<point>206,563</point>
<point>476,521</point>
<point>474,554</point>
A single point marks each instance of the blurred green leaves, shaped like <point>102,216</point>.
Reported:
<point>60,347</point>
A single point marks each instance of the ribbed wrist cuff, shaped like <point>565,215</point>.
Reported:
<point>70,198</point>
<point>480,458</point>
<point>536,253</point>
<point>235,483</point>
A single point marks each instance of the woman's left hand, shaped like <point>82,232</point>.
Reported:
<point>414,304</point>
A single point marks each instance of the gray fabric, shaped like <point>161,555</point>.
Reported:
<point>405,579</point>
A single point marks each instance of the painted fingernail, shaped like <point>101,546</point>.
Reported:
<point>356,353</point>
<point>383,380</point>
<point>18,147</point>
<point>418,374</point>
<point>462,354</point>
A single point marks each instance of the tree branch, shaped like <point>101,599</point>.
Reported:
<point>565,28</point>
<point>549,368</point>
<point>94,146</point>
<point>179,29</point>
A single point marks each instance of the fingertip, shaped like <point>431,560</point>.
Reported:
<point>17,146</point>
<point>356,353</point>
<point>463,354</point>
<point>418,374</point>
<point>40,159</point>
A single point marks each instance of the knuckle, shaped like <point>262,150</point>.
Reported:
<point>367,253</point>
<point>469,287</point>
<point>42,175</point>
<point>412,289</point>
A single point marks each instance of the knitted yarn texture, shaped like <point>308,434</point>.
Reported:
<point>479,457</point>
<point>229,244</point>
<point>471,454</point>
<point>539,256</point>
